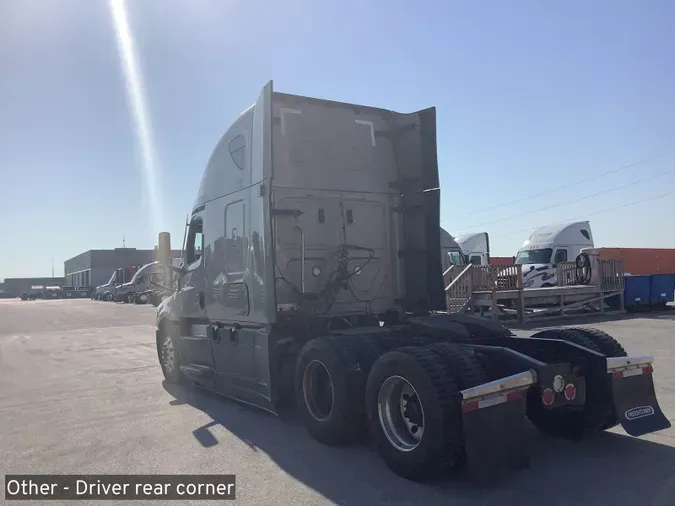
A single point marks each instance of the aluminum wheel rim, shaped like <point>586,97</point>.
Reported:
<point>403,428</point>
<point>316,380</point>
<point>143,298</point>
<point>168,354</point>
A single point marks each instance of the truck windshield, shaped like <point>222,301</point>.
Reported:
<point>534,256</point>
<point>137,274</point>
<point>455,257</point>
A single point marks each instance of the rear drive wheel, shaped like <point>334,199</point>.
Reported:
<point>607,345</point>
<point>574,422</point>
<point>463,364</point>
<point>169,357</point>
<point>414,413</point>
<point>329,392</point>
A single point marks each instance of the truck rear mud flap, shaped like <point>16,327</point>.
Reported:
<point>634,396</point>
<point>493,417</point>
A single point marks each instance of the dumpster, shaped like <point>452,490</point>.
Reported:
<point>662,290</point>
<point>636,293</point>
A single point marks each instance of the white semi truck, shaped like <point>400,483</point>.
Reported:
<point>549,245</point>
<point>311,274</point>
<point>476,247</point>
<point>451,253</point>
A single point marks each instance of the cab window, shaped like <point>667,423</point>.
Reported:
<point>560,256</point>
<point>194,242</point>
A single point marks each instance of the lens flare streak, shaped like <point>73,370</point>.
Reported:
<point>138,107</point>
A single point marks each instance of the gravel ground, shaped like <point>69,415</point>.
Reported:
<point>81,392</point>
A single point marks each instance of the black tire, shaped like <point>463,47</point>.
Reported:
<point>569,335</point>
<point>336,416</point>
<point>463,364</point>
<point>573,422</point>
<point>607,345</point>
<point>441,447</point>
<point>166,343</point>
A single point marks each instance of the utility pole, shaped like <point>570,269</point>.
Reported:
<point>124,241</point>
<point>52,267</point>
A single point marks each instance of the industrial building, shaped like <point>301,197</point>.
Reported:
<point>14,287</point>
<point>94,267</point>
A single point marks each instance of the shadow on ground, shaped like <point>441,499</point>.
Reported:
<point>610,469</point>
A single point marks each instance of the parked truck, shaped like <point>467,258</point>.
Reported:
<point>142,282</point>
<point>311,274</point>
<point>476,247</point>
<point>119,276</point>
<point>451,253</point>
<point>546,246</point>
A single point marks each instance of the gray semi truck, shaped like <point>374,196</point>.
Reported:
<point>311,275</point>
<point>139,287</point>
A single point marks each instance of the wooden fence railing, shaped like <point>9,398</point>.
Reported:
<point>498,277</point>
<point>566,273</point>
<point>611,274</point>
<point>461,281</point>
<point>458,288</point>
<point>465,282</point>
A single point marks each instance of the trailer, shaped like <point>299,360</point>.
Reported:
<point>311,276</point>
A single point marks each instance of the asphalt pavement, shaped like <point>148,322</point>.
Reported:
<point>81,392</point>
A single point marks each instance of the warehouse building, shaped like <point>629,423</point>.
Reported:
<point>95,267</point>
<point>14,287</point>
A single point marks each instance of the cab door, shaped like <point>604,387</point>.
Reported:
<point>195,344</point>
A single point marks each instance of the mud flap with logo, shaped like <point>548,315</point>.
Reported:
<point>495,436</point>
<point>635,398</point>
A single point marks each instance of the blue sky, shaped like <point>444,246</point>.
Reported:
<point>531,96</point>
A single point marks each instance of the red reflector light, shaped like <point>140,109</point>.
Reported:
<point>570,392</point>
<point>617,375</point>
<point>513,396</point>
<point>468,407</point>
<point>548,397</point>
<point>647,369</point>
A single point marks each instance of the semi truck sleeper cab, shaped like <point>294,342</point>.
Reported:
<point>311,275</point>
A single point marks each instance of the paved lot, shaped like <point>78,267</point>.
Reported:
<point>81,392</point>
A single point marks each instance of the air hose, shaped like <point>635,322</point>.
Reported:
<point>583,270</point>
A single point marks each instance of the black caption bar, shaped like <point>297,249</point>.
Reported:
<point>107,486</point>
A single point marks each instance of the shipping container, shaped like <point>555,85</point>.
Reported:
<point>636,292</point>
<point>662,289</point>
<point>501,260</point>
<point>642,261</point>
